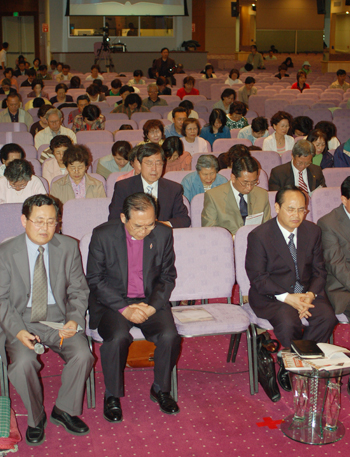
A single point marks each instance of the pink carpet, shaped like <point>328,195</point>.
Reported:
<point>218,415</point>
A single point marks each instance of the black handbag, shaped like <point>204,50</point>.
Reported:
<point>266,367</point>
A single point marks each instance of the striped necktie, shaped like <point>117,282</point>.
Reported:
<point>298,288</point>
<point>39,297</point>
<point>243,207</point>
<point>302,184</point>
<point>149,190</point>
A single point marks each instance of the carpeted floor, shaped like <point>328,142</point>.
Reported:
<point>218,415</point>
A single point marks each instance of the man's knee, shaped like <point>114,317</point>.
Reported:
<point>169,337</point>
<point>25,362</point>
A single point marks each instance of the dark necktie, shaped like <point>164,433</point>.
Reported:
<point>298,288</point>
<point>243,207</point>
<point>39,297</point>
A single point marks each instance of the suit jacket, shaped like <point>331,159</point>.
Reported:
<point>270,266</point>
<point>221,209</point>
<point>63,190</point>
<point>157,65</point>
<point>107,268</point>
<point>336,250</point>
<point>67,280</point>
<point>282,176</point>
<point>23,116</point>
<point>170,201</point>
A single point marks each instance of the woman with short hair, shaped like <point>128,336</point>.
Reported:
<point>233,78</point>
<point>193,144</point>
<point>188,87</point>
<point>279,141</point>
<point>235,117</point>
<point>61,97</point>
<point>90,119</point>
<point>132,104</point>
<point>54,166</point>
<point>77,184</point>
<point>300,85</point>
<point>176,158</point>
<point>208,72</point>
<point>228,96</point>
<point>216,128</point>
<point>42,122</point>
<point>322,157</point>
<point>153,132</point>
<point>8,153</point>
<point>205,178</point>
<point>118,160</point>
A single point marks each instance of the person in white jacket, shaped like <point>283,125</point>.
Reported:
<point>279,141</point>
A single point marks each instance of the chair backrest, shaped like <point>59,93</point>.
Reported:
<point>241,242</point>
<point>81,216</point>
<point>257,103</point>
<point>139,116</point>
<point>335,176</point>
<point>272,198</point>
<point>16,137</point>
<point>341,113</point>
<point>197,204</point>
<point>224,144</point>
<point>343,128</point>
<point>111,180</point>
<point>36,165</point>
<point>286,157</point>
<point>267,159</point>
<point>319,114</point>
<point>13,127</point>
<point>116,117</point>
<point>10,220</point>
<point>94,136</point>
<point>234,132</point>
<point>176,176</point>
<point>201,271</point>
<point>45,183</point>
<point>297,110</point>
<point>272,106</point>
<point>194,98</point>
<point>114,124</point>
<point>324,200</point>
<point>129,135</point>
<point>100,149</point>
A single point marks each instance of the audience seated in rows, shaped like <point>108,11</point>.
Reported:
<point>95,74</point>
<point>205,178</point>
<point>55,166</point>
<point>135,164</point>
<point>209,72</point>
<point>19,182</point>
<point>9,74</point>
<point>330,130</point>
<point>301,126</point>
<point>77,183</point>
<point>118,160</point>
<point>43,74</point>
<point>65,74</point>
<point>37,89</point>
<point>31,76</point>
<point>137,78</point>
<point>188,105</point>
<point>179,114</point>
<point>61,97</point>
<point>188,88</point>
<point>255,58</point>
<point>342,155</point>
<point>55,127</point>
<point>282,72</point>
<point>301,84</point>
<point>132,104</point>
<point>82,101</point>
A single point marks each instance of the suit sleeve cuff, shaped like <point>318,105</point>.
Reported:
<point>122,309</point>
<point>281,297</point>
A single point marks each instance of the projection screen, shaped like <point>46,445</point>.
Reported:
<point>126,8</point>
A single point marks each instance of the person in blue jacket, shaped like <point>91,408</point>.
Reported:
<point>342,155</point>
<point>206,177</point>
<point>217,128</point>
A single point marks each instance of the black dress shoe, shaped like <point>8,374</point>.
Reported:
<point>72,424</point>
<point>112,410</point>
<point>36,435</point>
<point>167,404</point>
<point>283,376</point>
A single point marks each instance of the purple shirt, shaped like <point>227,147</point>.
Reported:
<point>78,189</point>
<point>135,267</point>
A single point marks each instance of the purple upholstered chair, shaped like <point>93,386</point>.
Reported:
<point>16,137</point>
<point>286,157</point>
<point>224,144</point>
<point>111,180</point>
<point>267,160</point>
<point>197,204</point>
<point>116,117</point>
<point>272,198</point>
<point>81,216</point>
<point>343,128</point>
<point>272,106</point>
<point>10,220</point>
<point>139,116</point>
<point>36,166</point>
<point>335,176</point>
<point>298,109</point>
<point>94,136</point>
<point>257,103</point>
<point>318,115</point>
<point>114,124</point>
<point>100,149</point>
<point>129,135</point>
<point>176,176</point>
<point>341,113</point>
<point>13,127</point>
<point>324,200</point>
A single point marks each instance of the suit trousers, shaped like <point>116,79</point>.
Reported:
<point>24,367</point>
<point>159,329</point>
<point>287,325</point>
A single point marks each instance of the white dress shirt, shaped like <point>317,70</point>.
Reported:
<point>296,177</point>
<point>154,187</point>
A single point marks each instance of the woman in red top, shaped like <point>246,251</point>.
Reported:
<point>300,84</point>
<point>188,88</point>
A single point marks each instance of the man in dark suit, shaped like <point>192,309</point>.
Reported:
<point>287,274</point>
<point>300,172</point>
<point>164,66</point>
<point>171,208</point>
<point>131,275</point>
<point>335,228</point>
<point>41,279</point>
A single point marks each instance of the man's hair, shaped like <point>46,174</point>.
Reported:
<point>44,109</point>
<point>5,45</point>
<point>31,72</point>
<point>345,188</point>
<point>228,93</point>
<point>161,81</point>
<point>245,163</point>
<point>234,71</point>
<point>37,58</point>
<point>132,156</point>
<point>8,70</point>
<point>59,141</point>
<point>236,152</point>
<point>97,68</point>
<point>38,200</point>
<point>53,62</point>
<point>150,125</point>
<point>13,95</point>
<point>66,66</point>
<point>18,170</point>
<point>61,86</point>
<point>37,81</point>
<point>42,67</point>
<point>172,144</point>
<point>116,84</point>
<point>151,86</point>
<point>341,72</point>
<point>93,90</point>
<point>6,82</point>
<point>163,49</point>
<point>11,147</point>
<point>300,74</point>
<point>249,80</point>
<point>38,102</point>
<point>53,111</point>
<point>207,161</point>
<point>217,113</point>
<point>138,73</point>
<point>148,150</point>
<point>238,108</point>
<point>189,79</point>
<point>254,46</point>
<point>188,121</point>
<point>303,123</point>
<point>138,202</point>
<point>303,148</point>
<point>121,148</point>
<point>77,153</point>
<point>131,99</point>
<point>280,194</point>
<point>126,127</point>
<point>75,83</point>
<point>178,109</point>
<point>126,88</point>
<point>83,97</point>
<point>91,112</point>
<point>259,124</point>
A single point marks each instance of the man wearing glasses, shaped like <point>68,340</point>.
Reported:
<point>300,171</point>
<point>230,204</point>
<point>41,280</point>
<point>131,274</point>
<point>287,275</point>
<point>168,194</point>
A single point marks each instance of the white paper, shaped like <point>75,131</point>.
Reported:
<point>57,325</point>
<point>254,219</point>
<point>192,315</point>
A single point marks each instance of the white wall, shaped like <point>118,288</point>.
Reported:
<point>60,42</point>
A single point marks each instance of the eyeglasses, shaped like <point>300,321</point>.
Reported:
<point>158,163</point>
<point>41,224</point>
<point>246,184</point>
<point>74,169</point>
<point>292,211</point>
<point>140,229</point>
<point>17,185</point>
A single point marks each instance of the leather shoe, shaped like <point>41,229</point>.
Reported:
<point>283,376</point>
<point>36,435</point>
<point>112,410</point>
<point>167,404</point>
<point>72,424</point>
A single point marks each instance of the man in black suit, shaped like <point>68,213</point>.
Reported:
<point>171,208</point>
<point>164,66</point>
<point>131,275</point>
<point>300,172</point>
